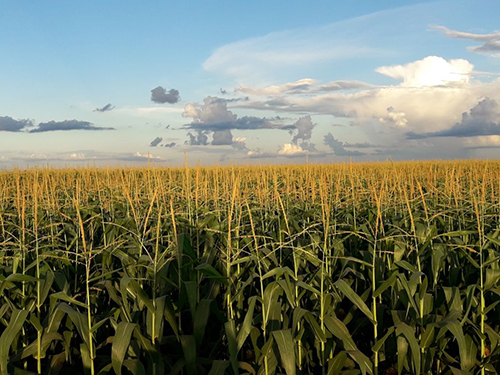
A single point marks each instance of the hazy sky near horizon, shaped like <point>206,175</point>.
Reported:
<point>112,82</point>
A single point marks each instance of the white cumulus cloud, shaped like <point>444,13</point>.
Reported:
<point>291,149</point>
<point>394,118</point>
<point>430,71</point>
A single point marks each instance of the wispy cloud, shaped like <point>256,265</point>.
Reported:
<point>259,56</point>
<point>62,158</point>
<point>303,86</point>
<point>490,42</point>
<point>106,108</point>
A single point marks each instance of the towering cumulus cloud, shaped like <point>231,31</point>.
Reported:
<point>430,71</point>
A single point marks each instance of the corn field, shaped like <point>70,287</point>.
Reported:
<point>389,268</point>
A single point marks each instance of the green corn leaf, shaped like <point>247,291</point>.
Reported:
<point>219,367</point>
<point>189,349</point>
<point>121,341</point>
<point>247,323</point>
<point>365,365</point>
<point>402,345</point>
<point>286,349</point>
<point>16,322</point>
<point>386,284</point>
<point>337,363</point>
<point>354,298</point>
<point>378,345</point>
<point>232,344</point>
<point>409,334</point>
<point>201,319</point>
<point>64,297</point>
<point>134,366</point>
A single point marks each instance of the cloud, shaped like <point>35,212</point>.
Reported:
<point>490,42</point>
<point>198,138</point>
<point>8,124</point>
<point>213,115</point>
<point>142,157</point>
<point>430,71</point>
<point>82,156</point>
<point>77,156</point>
<point>394,119</point>
<point>303,86</point>
<point>488,141</point>
<point>359,145</point>
<point>66,125</point>
<point>155,142</point>
<point>342,85</point>
<point>338,147</point>
<point>222,137</point>
<point>225,138</point>
<point>304,125</point>
<point>289,149</point>
<point>443,102</point>
<point>239,143</point>
<point>169,145</point>
<point>258,154</point>
<point>482,120</point>
<point>107,107</point>
<point>278,90</point>
<point>161,95</point>
<point>301,47</point>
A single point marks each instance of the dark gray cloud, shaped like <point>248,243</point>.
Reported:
<point>222,137</point>
<point>155,142</point>
<point>169,145</point>
<point>222,91</point>
<point>161,95</point>
<point>308,146</point>
<point>198,138</point>
<point>304,126</point>
<point>107,107</point>
<point>225,138</point>
<point>483,119</point>
<point>8,124</point>
<point>338,147</point>
<point>66,125</point>
<point>234,100</point>
<point>490,42</point>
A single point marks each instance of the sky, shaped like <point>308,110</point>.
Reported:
<point>260,82</point>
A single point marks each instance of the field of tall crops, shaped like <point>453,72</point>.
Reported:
<point>316,269</point>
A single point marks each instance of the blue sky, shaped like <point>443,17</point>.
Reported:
<point>248,82</point>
